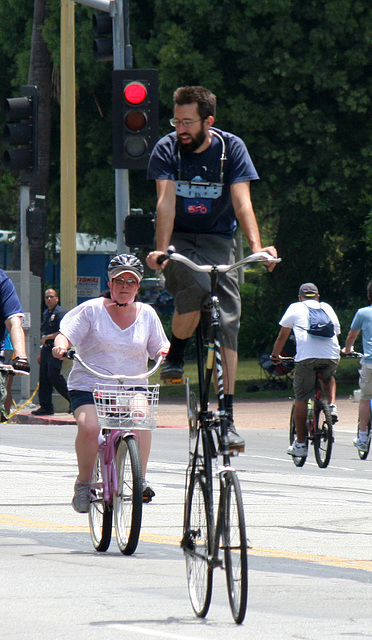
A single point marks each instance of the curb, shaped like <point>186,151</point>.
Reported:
<point>63,419</point>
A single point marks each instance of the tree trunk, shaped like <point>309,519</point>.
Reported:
<point>40,74</point>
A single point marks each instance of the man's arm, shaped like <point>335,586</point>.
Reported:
<point>243,207</point>
<point>282,338</point>
<point>351,337</point>
<point>17,336</point>
<point>165,214</point>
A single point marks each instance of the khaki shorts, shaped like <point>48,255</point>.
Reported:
<point>304,375</point>
<point>365,381</point>
<point>191,289</point>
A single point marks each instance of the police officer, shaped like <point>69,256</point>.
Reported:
<point>50,368</point>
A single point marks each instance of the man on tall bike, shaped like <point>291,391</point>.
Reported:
<point>312,352</point>
<point>203,178</point>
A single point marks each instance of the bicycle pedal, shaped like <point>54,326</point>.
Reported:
<point>234,451</point>
<point>173,380</point>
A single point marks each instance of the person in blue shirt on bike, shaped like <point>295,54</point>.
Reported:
<point>362,321</point>
<point>310,353</point>
<point>11,315</point>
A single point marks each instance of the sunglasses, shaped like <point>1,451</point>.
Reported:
<point>130,282</point>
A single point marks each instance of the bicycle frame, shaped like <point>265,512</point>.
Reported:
<point>116,478</point>
<point>201,536</point>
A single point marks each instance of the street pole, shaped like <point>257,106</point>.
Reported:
<point>24,203</point>
<point>68,256</point>
<point>122,58</point>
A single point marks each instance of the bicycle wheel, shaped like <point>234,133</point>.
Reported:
<point>128,500</point>
<point>363,454</point>
<point>323,438</point>
<point>298,461</point>
<point>197,545</point>
<point>234,541</point>
<point>100,513</point>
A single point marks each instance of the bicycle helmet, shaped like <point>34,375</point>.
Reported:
<point>125,262</point>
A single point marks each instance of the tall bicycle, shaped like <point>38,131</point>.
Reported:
<point>116,481</point>
<point>205,535</point>
<point>319,424</point>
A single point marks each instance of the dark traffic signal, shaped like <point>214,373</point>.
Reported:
<point>135,115</point>
<point>21,131</point>
<point>102,47</point>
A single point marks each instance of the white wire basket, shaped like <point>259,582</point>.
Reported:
<point>126,407</point>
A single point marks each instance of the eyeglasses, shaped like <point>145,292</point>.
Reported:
<point>129,282</point>
<point>185,123</point>
<point>46,297</point>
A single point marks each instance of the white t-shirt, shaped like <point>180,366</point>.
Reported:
<point>307,346</point>
<point>108,349</point>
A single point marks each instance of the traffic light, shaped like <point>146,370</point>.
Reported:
<point>135,115</point>
<point>21,131</point>
<point>102,47</point>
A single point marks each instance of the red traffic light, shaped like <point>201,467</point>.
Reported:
<point>135,93</point>
<point>135,116</point>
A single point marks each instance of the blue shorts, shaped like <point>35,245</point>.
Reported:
<point>79,398</point>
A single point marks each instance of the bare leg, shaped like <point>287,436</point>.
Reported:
<point>300,414</point>
<point>230,364</point>
<point>86,443</point>
<point>183,326</point>
<point>329,389</point>
<point>364,414</point>
<point>144,443</point>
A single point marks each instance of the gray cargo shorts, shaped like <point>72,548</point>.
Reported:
<point>304,375</point>
<point>191,290</point>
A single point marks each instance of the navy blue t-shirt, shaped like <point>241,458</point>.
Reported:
<point>203,215</point>
<point>9,302</point>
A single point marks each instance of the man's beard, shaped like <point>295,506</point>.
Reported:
<point>195,143</point>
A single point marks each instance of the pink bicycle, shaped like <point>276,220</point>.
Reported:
<point>116,482</point>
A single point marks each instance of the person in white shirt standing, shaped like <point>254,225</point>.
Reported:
<point>311,353</point>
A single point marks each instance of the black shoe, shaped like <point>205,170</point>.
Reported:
<point>235,441</point>
<point>42,411</point>
<point>147,493</point>
<point>172,370</point>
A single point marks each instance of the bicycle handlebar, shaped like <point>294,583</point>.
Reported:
<point>353,354</point>
<point>9,369</point>
<point>120,377</point>
<point>260,256</point>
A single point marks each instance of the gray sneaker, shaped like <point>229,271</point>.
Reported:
<point>81,499</point>
<point>297,450</point>
<point>334,412</point>
<point>361,446</point>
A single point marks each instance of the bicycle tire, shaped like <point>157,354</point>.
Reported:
<point>100,512</point>
<point>364,454</point>
<point>298,461</point>
<point>197,545</point>
<point>128,499</point>
<point>323,438</point>
<point>235,545</point>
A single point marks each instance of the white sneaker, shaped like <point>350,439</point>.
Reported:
<point>334,412</point>
<point>297,450</point>
<point>361,446</point>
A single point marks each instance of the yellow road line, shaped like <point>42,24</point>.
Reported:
<point>347,563</point>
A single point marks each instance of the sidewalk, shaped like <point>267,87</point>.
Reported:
<point>248,414</point>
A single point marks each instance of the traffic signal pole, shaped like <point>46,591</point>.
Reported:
<point>118,10</point>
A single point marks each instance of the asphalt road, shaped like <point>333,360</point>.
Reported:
<point>310,566</point>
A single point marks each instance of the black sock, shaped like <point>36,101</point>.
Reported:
<point>229,403</point>
<point>177,349</point>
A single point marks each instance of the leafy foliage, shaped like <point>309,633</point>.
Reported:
<point>293,79</point>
